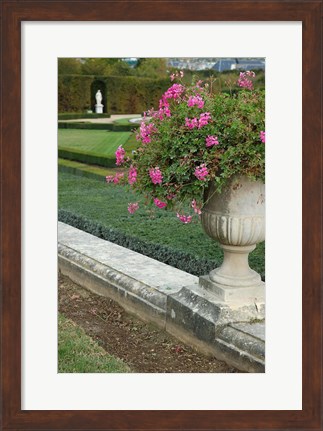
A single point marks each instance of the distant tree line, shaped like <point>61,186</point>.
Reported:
<point>154,68</point>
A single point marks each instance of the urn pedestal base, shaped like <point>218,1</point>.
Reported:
<point>234,281</point>
<point>234,295</point>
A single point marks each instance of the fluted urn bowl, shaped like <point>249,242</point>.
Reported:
<point>236,219</point>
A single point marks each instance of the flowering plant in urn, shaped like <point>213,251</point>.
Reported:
<point>196,145</point>
<point>197,137</point>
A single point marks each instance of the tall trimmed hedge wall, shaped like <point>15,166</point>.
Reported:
<point>123,94</point>
<point>74,93</point>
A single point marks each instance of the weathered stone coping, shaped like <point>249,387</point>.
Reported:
<point>169,297</point>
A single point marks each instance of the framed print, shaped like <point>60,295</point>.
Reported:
<point>34,34</point>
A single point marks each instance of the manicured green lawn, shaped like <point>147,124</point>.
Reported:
<point>78,353</point>
<point>107,204</point>
<point>101,142</point>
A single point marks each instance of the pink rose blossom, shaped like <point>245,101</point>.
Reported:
<point>120,153</point>
<point>201,172</point>
<point>159,203</point>
<point>132,208</point>
<point>156,175</point>
<point>211,140</point>
<point>183,218</point>
<point>196,209</point>
<point>132,175</point>
<point>263,136</point>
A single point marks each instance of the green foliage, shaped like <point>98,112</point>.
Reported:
<point>69,66</point>
<point>100,209</point>
<point>151,68</point>
<point>79,353</point>
<point>99,66</point>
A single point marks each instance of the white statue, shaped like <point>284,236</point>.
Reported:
<point>98,106</point>
<point>98,97</point>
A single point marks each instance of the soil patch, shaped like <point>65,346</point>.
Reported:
<point>144,347</point>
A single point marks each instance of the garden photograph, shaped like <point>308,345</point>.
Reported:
<point>161,215</point>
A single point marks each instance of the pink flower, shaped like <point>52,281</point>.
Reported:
<point>183,218</point>
<point>109,179</point>
<point>195,100</point>
<point>132,208</point>
<point>191,123</point>
<point>172,76</point>
<point>132,175</point>
<point>201,172</point>
<point>174,92</point>
<point>263,136</point>
<point>120,153</point>
<point>145,132</point>
<point>195,207</point>
<point>211,140</point>
<point>159,203</point>
<point>244,81</point>
<point>204,119</point>
<point>181,73</point>
<point>117,177</point>
<point>156,175</point>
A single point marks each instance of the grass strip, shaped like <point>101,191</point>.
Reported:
<point>96,147</point>
<point>79,353</point>
<point>97,142</point>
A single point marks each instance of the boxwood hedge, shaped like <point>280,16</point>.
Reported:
<point>178,259</point>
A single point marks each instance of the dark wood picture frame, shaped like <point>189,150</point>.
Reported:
<point>14,12</point>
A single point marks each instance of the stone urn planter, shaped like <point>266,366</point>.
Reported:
<point>236,219</point>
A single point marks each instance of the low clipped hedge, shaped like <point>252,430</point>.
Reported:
<point>85,126</point>
<point>79,115</point>
<point>181,260</point>
<point>98,126</point>
<point>91,159</point>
